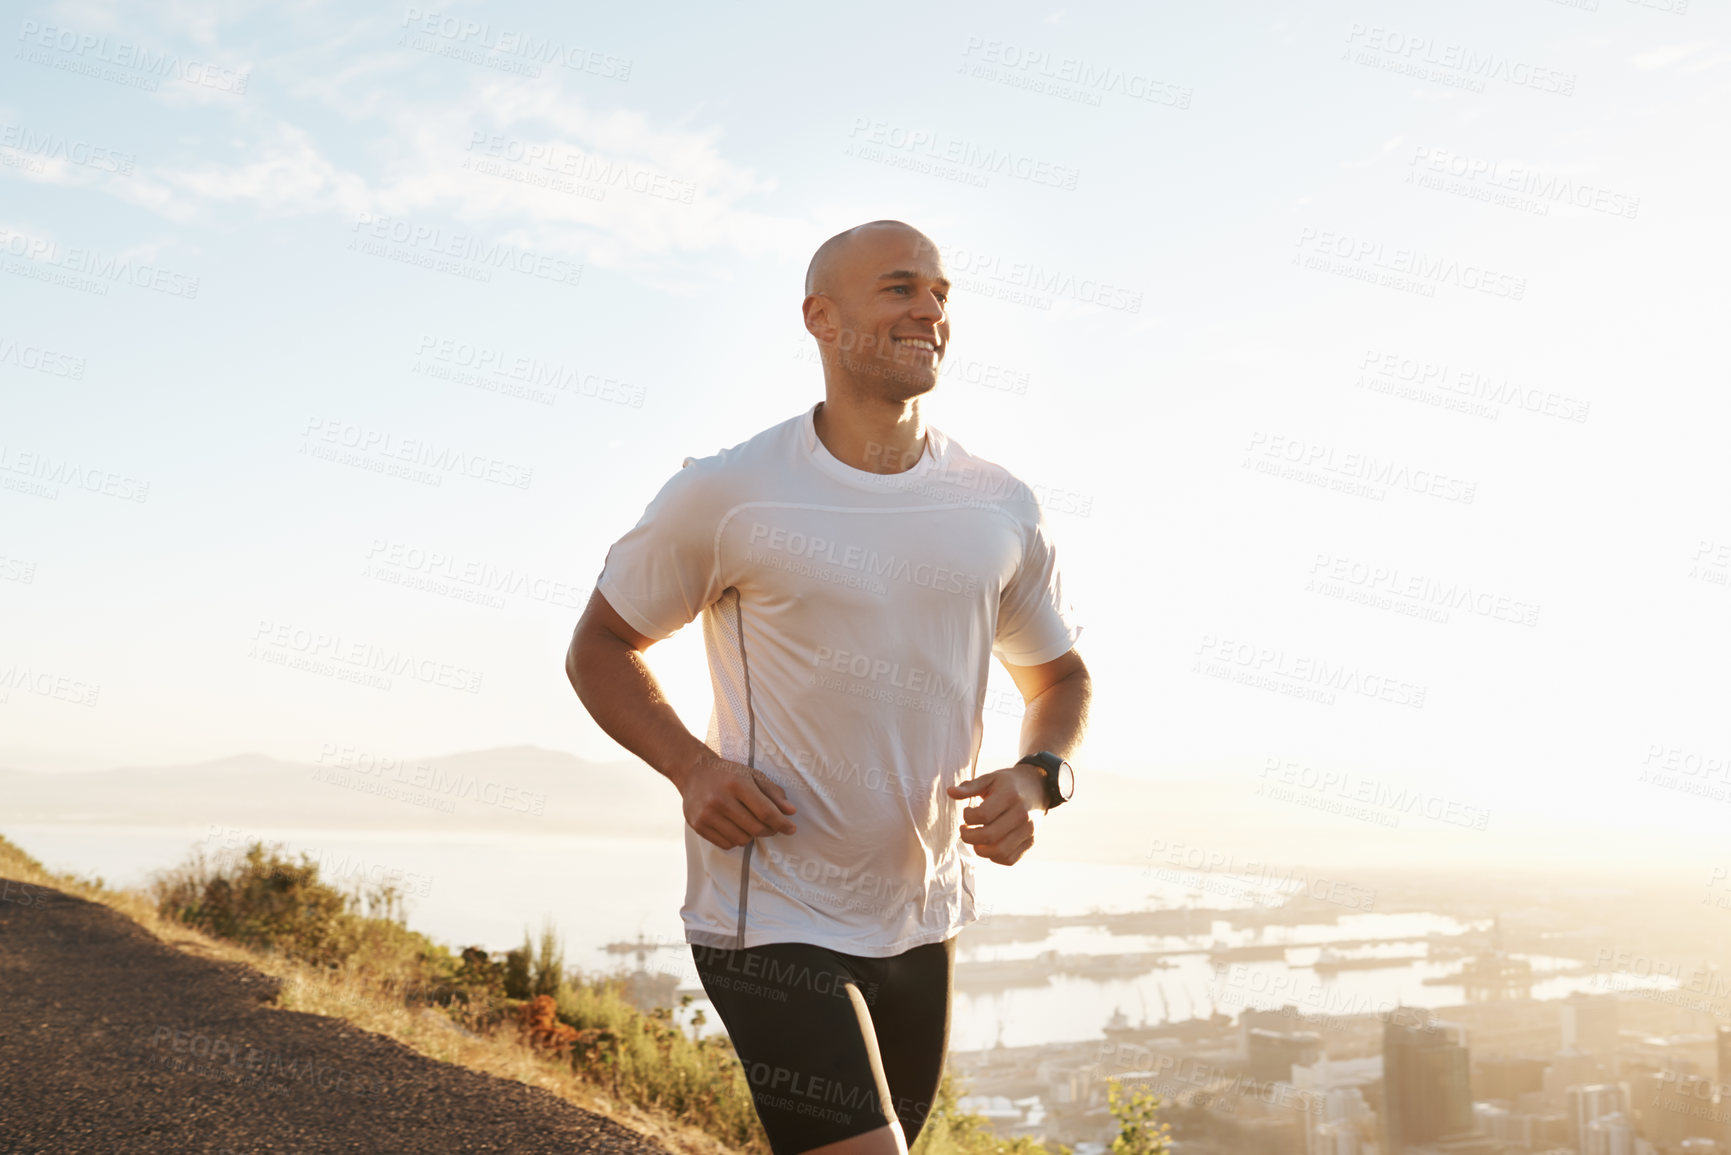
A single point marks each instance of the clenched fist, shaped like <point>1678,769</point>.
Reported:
<point>1000,826</point>
<point>730,803</point>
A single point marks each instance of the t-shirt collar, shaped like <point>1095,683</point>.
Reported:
<point>865,479</point>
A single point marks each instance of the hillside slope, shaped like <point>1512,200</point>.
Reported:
<point>114,1041</point>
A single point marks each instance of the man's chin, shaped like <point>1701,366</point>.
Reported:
<point>907,381</point>
<point>910,387</point>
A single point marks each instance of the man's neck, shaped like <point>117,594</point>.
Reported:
<point>884,437</point>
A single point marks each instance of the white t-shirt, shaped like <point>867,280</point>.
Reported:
<point>849,619</point>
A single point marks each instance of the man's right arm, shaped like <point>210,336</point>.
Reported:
<point>725,802</point>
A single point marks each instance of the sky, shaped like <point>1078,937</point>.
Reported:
<point>1369,360</point>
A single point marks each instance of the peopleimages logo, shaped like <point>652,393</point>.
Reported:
<point>46,146</point>
<point>371,770</point>
<point>971,157</point>
<point>1387,587</point>
<point>482,36</point>
<point>1087,76</point>
<point>277,642</point>
<point>1544,188</point>
<point>968,264</point>
<point>536,373</point>
<point>46,468</point>
<point>812,547</point>
<point>1273,667</point>
<point>1372,255</point>
<point>424,245</point>
<point>912,678</point>
<point>48,685</point>
<point>40,360</point>
<point>1428,57</point>
<point>837,886</point>
<point>1351,470</point>
<point>87,53</point>
<point>410,451</point>
<point>584,168</point>
<point>94,263</point>
<point>1471,384</point>
<point>1187,860</point>
<point>1345,785</point>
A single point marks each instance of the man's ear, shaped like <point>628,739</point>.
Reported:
<point>818,312</point>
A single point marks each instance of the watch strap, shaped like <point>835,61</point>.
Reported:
<point>1049,764</point>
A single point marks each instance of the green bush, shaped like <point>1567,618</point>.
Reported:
<point>1139,1131</point>
<point>648,1060</point>
<point>951,1131</point>
<point>547,971</point>
<point>263,900</point>
<point>518,981</point>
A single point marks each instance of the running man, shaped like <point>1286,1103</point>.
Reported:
<point>855,570</point>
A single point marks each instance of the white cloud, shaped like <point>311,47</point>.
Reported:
<point>290,178</point>
<point>416,150</point>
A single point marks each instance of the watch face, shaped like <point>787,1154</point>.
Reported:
<point>1066,780</point>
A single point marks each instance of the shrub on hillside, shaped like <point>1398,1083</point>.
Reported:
<point>647,1059</point>
<point>261,899</point>
<point>265,900</point>
<point>949,1130</point>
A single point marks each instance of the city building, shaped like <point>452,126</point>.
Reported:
<point>1507,1078</point>
<point>1427,1087</point>
<point>1573,1068</point>
<point>1612,1134</point>
<point>1590,1024</point>
<point>1676,1107</point>
<point>1272,1054</point>
<point>1588,1104</point>
<point>1346,1126</point>
<point>1326,1075</point>
<point>1334,1139</point>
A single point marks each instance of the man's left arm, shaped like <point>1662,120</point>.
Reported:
<point>1000,825</point>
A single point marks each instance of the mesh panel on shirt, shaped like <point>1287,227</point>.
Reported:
<point>730,727</point>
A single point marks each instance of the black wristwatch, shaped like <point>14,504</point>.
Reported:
<point>1057,776</point>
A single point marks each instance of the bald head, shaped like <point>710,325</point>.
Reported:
<point>831,256</point>
<point>877,303</point>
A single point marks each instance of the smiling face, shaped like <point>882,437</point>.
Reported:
<point>877,302</point>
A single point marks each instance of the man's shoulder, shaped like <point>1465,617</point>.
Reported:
<point>735,474</point>
<point>975,477</point>
<point>770,448</point>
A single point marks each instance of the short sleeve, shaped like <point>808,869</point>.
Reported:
<point>666,571</point>
<point>1036,622</point>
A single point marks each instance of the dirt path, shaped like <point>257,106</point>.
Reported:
<point>113,1043</point>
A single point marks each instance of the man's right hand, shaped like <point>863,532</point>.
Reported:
<point>729,803</point>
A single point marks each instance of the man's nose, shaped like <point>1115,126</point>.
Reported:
<point>928,307</point>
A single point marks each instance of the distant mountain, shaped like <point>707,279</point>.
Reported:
<point>1113,818</point>
<point>1220,819</point>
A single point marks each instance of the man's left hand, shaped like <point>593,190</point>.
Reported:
<point>1000,824</point>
